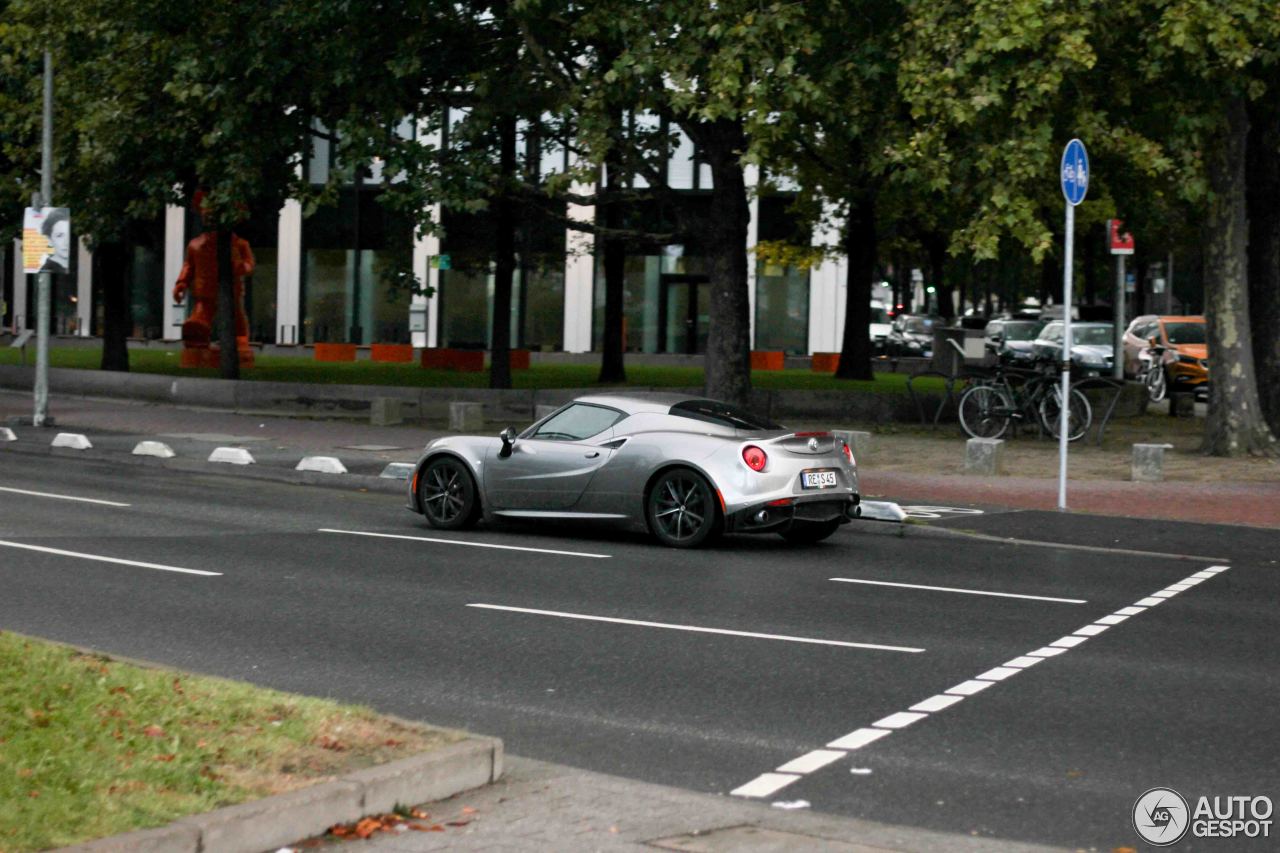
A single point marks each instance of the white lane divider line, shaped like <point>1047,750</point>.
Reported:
<point>768,784</point>
<point>62,497</point>
<point>101,559</point>
<point>964,591</point>
<point>697,629</point>
<point>468,544</point>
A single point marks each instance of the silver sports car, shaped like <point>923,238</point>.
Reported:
<point>683,468</point>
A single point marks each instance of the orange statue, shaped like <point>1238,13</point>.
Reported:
<point>200,276</point>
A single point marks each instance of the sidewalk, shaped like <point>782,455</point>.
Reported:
<point>908,465</point>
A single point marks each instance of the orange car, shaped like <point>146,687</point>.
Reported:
<point>1183,348</point>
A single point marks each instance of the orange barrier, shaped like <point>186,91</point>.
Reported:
<point>825,362</point>
<point>335,352</point>
<point>467,360</point>
<point>519,359</point>
<point>391,352</point>
<point>767,359</point>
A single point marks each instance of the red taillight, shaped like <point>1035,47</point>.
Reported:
<point>848,453</point>
<point>754,457</point>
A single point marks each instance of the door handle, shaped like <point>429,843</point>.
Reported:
<point>593,454</point>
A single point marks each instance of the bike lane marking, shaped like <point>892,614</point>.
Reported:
<point>468,544</point>
<point>964,591</point>
<point>62,497</point>
<point>768,784</point>
<point>101,559</point>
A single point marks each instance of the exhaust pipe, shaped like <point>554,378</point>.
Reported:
<point>854,511</point>
<point>761,517</point>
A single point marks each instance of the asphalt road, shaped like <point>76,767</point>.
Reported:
<point>1054,750</point>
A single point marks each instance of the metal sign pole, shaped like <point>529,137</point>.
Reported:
<point>44,280</point>
<point>1117,349</point>
<point>1066,356</point>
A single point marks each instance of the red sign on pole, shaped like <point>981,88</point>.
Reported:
<point>1121,244</point>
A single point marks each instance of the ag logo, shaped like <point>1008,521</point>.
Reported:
<point>1161,817</point>
<point>813,445</point>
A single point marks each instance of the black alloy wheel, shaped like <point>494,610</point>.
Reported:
<point>809,532</point>
<point>448,494</point>
<point>682,510</point>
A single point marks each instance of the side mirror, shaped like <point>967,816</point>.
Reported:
<point>508,437</point>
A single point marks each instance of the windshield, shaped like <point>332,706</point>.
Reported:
<point>920,325</point>
<point>1092,335</point>
<point>1184,333</point>
<point>723,414</point>
<point>1020,331</point>
<point>879,315</point>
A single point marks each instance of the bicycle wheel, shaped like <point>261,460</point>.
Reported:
<point>1079,414</point>
<point>1156,383</point>
<point>984,411</point>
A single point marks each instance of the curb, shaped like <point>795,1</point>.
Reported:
<point>281,820</point>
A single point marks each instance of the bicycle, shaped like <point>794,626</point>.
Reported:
<point>990,404</point>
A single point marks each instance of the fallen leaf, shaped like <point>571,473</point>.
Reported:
<point>169,757</point>
<point>419,813</point>
<point>153,731</point>
<point>326,742</point>
<point>468,810</point>
<point>33,794</point>
<point>391,742</point>
<point>458,823</point>
<point>368,827</point>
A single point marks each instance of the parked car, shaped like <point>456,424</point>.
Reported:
<point>1010,340</point>
<point>1179,347</point>
<point>682,468</point>
<point>1092,346</point>
<point>912,335</point>
<point>879,328</point>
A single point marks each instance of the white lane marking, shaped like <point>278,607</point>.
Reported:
<point>698,629</point>
<point>900,720</point>
<point>895,722</point>
<point>1217,570</point>
<point>61,553</point>
<point>965,591</point>
<point>970,687</point>
<point>1091,630</point>
<point>1149,601</point>
<point>812,761</point>
<point>62,497</point>
<point>1114,619</point>
<point>1179,587</point>
<point>936,703</point>
<point>858,739</point>
<point>765,785</point>
<point>468,544</point>
<point>1165,593</point>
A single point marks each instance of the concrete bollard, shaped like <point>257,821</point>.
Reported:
<point>859,443</point>
<point>1148,462</point>
<point>984,457</point>
<point>466,417</point>
<point>541,411</point>
<point>385,411</point>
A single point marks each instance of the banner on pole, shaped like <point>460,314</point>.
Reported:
<point>1121,244</point>
<point>46,240</point>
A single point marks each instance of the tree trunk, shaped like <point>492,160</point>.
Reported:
<point>612,365</point>
<point>860,247</point>
<point>728,372</point>
<point>1263,202</point>
<point>937,266</point>
<point>110,269</point>
<point>229,360</point>
<point>504,260</point>
<point>1235,425</point>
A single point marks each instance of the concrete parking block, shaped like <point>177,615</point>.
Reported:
<point>71,440</point>
<point>322,464</point>
<point>386,411</point>
<point>174,838</point>
<point>153,448</point>
<point>1148,463</point>
<point>232,456</point>
<point>430,776</point>
<point>984,457</point>
<point>6,434</point>
<point>277,821</point>
<point>397,471</point>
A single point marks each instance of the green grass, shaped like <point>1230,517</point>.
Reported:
<point>91,747</point>
<point>276,368</point>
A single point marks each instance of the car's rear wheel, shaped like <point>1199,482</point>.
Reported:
<point>809,532</point>
<point>447,494</point>
<point>681,509</point>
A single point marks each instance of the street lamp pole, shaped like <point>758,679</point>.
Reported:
<point>44,280</point>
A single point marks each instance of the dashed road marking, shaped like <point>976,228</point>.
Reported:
<point>964,591</point>
<point>771,783</point>
<point>101,559</point>
<point>468,544</point>
<point>62,497</point>
<point>698,629</point>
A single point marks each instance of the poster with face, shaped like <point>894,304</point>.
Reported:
<point>46,240</point>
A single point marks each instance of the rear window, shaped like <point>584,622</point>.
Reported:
<point>1020,331</point>
<point>722,414</point>
<point>1184,333</point>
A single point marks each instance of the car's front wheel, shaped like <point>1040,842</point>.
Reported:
<point>447,494</point>
<point>809,532</point>
<point>681,509</point>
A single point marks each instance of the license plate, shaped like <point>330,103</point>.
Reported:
<point>818,480</point>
